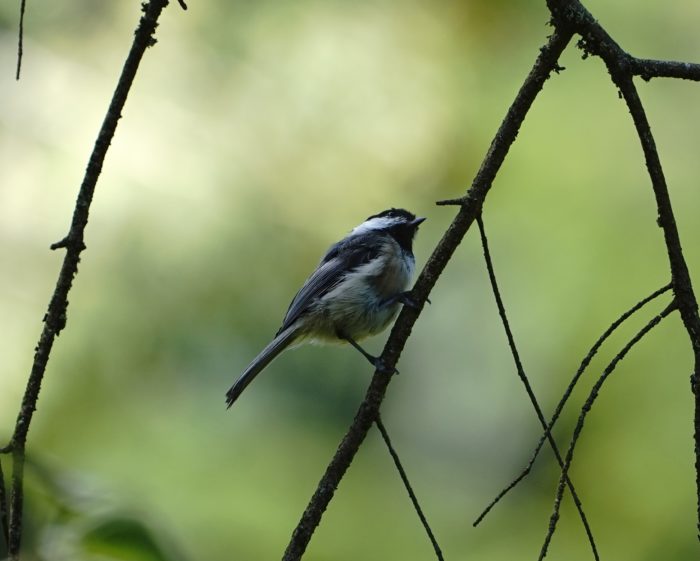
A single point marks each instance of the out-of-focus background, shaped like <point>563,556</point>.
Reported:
<point>256,134</point>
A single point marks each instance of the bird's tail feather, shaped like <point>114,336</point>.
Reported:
<point>266,356</point>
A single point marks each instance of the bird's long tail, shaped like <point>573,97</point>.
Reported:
<point>266,356</point>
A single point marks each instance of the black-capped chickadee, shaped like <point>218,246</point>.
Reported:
<point>355,292</point>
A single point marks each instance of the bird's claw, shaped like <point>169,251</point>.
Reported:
<point>381,366</point>
<point>407,299</point>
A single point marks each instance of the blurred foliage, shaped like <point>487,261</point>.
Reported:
<point>256,134</point>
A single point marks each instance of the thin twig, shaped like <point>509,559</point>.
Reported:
<point>526,382</point>
<point>570,388</point>
<point>648,69</point>
<point>20,38</point>
<point>55,318</point>
<point>451,202</point>
<point>585,410</point>
<point>546,62</point>
<point>409,488</point>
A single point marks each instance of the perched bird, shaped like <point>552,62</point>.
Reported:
<point>354,292</point>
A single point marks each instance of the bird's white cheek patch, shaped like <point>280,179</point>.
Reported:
<point>374,224</point>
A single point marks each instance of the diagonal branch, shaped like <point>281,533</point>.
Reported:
<point>55,318</point>
<point>524,379</point>
<point>585,410</point>
<point>470,206</point>
<point>409,488</point>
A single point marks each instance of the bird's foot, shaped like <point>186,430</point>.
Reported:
<point>381,366</point>
<point>375,361</point>
<point>407,299</point>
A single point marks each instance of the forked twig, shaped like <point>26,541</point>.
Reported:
<point>524,379</point>
<point>585,410</point>
<point>567,393</point>
<point>409,488</point>
<point>622,67</point>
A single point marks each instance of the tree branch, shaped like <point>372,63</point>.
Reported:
<point>20,37</point>
<point>55,318</point>
<point>409,488</point>
<point>471,205</point>
<point>648,69</point>
<point>524,379</point>
<point>572,15</point>
<point>567,393</point>
<point>682,284</point>
<point>584,411</point>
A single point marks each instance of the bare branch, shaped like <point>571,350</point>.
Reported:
<point>569,390</point>
<point>524,379</point>
<point>682,284</point>
<point>409,488</point>
<point>546,62</point>
<point>648,69</point>
<point>585,410</point>
<point>573,16</point>
<point>20,37</point>
<point>452,202</point>
<point>55,318</point>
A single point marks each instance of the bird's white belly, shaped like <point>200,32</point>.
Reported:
<point>361,304</point>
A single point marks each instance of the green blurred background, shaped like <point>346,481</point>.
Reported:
<point>256,134</point>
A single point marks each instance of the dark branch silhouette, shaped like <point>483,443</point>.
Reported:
<point>409,488</point>
<point>469,207</point>
<point>569,390</point>
<point>20,38</point>
<point>568,17</point>
<point>55,318</point>
<point>648,69</point>
<point>585,410</point>
<point>526,382</point>
<point>572,15</point>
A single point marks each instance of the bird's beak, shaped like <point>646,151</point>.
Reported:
<point>417,221</point>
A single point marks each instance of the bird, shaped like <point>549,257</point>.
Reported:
<point>355,292</point>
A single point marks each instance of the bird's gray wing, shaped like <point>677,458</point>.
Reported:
<point>340,259</point>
